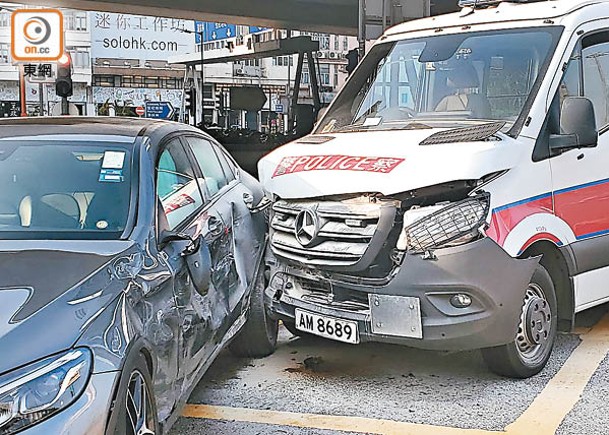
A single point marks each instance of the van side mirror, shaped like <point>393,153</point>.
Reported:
<point>577,126</point>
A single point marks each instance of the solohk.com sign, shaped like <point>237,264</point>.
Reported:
<point>37,35</point>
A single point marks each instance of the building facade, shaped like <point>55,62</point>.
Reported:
<point>121,61</point>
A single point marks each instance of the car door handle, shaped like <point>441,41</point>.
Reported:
<point>214,225</point>
<point>248,199</point>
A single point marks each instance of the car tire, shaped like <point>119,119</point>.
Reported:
<point>134,398</point>
<point>258,337</point>
<point>528,354</point>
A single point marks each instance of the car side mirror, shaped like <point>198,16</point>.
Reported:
<point>577,126</point>
<point>172,236</point>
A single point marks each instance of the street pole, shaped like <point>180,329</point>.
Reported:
<point>362,27</point>
<point>201,33</point>
<point>22,97</point>
<point>65,106</point>
<point>41,99</point>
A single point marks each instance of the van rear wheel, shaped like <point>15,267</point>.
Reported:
<point>528,354</point>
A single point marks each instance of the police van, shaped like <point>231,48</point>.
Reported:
<point>455,195</point>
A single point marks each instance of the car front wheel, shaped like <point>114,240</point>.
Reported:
<point>134,410</point>
<point>528,354</point>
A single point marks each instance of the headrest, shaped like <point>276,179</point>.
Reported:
<point>463,75</point>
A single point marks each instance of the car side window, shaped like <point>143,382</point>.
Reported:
<point>210,165</point>
<point>176,185</point>
<point>227,165</point>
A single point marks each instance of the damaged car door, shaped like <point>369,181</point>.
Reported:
<point>188,229</point>
<point>221,186</point>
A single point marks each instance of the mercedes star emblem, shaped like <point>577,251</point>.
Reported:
<point>306,227</point>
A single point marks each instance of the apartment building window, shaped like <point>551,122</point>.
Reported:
<point>76,21</point>
<point>5,53</point>
<point>283,61</point>
<point>106,81</point>
<point>336,43</point>
<point>170,83</point>
<point>5,19</point>
<point>133,82</point>
<point>324,74</point>
<point>81,56</point>
<point>345,43</point>
<point>335,76</point>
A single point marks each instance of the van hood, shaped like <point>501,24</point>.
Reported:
<point>387,162</point>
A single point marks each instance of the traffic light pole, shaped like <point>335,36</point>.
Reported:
<point>65,106</point>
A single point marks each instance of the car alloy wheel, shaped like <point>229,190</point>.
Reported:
<point>139,414</point>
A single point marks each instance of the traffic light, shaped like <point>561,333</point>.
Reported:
<point>63,82</point>
<point>190,101</point>
<point>352,60</point>
<point>219,103</point>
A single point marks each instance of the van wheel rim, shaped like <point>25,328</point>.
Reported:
<point>140,420</point>
<point>535,329</point>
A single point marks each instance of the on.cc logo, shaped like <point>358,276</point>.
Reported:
<point>37,30</point>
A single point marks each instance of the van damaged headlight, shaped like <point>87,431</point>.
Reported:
<point>444,225</point>
<point>36,392</point>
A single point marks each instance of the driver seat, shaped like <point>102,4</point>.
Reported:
<point>463,79</point>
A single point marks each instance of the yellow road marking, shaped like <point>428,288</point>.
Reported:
<point>323,422</point>
<point>542,417</point>
<point>564,390</point>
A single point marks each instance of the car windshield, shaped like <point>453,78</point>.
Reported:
<point>63,190</point>
<point>444,81</point>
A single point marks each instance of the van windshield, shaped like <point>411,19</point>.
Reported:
<point>64,190</point>
<point>444,80</point>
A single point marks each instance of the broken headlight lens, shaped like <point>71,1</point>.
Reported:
<point>444,225</point>
<point>36,392</point>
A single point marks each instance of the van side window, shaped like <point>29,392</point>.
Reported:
<point>571,85</point>
<point>595,57</point>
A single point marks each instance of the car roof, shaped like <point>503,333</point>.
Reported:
<point>99,128</point>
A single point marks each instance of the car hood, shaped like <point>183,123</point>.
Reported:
<point>387,162</point>
<point>42,289</point>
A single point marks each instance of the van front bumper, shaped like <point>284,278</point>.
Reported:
<point>413,306</point>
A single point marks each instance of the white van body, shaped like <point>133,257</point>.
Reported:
<point>455,195</point>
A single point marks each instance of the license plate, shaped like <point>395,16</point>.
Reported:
<point>328,327</point>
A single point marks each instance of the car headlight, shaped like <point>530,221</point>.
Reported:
<point>429,228</point>
<point>36,392</point>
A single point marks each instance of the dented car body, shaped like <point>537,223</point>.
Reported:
<point>126,265</point>
<point>432,206</point>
